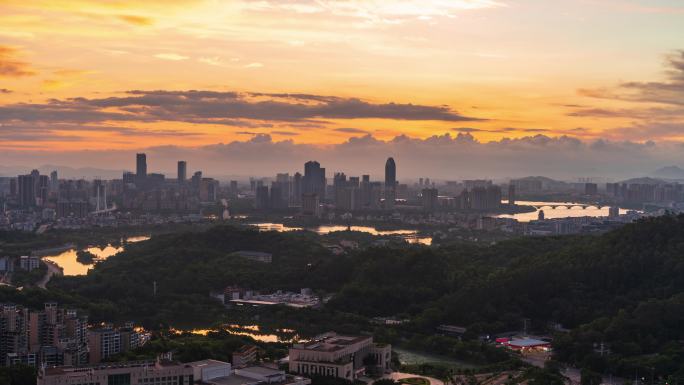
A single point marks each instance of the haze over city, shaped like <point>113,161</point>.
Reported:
<point>508,88</point>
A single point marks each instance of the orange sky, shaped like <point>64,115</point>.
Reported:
<point>491,68</point>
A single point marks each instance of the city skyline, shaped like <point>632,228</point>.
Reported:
<point>97,81</point>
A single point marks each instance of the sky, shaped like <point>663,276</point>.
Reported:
<point>517,87</point>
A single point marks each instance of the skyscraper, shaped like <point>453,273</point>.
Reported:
<point>314,179</point>
<point>182,171</point>
<point>141,166</point>
<point>390,183</point>
<point>27,191</point>
<point>390,173</point>
<point>296,197</point>
<point>54,181</point>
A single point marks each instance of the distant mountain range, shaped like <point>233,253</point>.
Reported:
<point>670,172</point>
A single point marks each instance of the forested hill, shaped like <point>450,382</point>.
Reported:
<point>624,288</point>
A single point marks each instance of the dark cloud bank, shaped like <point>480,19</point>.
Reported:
<point>444,157</point>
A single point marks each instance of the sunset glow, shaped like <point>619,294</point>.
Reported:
<point>122,74</point>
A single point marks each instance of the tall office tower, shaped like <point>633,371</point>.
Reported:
<point>182,171</point>
<point>54,181</point>
<point>296,197</point>
<point>141,166</point>
<point>390,183</point>
<point>390,173</point>
<point>314,179</point>
<point>511,194</point>
<point>233,188</point>
<point>26,191</point>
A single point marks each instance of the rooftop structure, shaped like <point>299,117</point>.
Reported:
<point>335,355</point>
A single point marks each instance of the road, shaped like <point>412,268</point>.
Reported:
<point>52,269</point>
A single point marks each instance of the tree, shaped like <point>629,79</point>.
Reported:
<point>590,378</point>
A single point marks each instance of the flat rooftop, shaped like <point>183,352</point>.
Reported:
<point>332,342</point>
<point>241,380</point>
<point>528,342</point>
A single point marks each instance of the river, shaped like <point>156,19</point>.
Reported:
<point>411,236</point>
<point>283,335</point>
<point>67,259</point>
<point>559,212</point>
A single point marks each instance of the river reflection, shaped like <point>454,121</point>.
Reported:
<point>560,211</point>
<point>70,266</point>
<point>286,336</point>
<point>411,236</point>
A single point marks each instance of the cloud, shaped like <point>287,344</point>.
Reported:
<point>438,157</point>
<point>136,20</point>
<point>214,61</point>
<point>500,130</point>
<point>254,65</point>
<point>284,133</point>
<point>657,109</point>
<point>221,108</point>
<point>372,12</point>
<point>350,130</point>
<point>11,67</point>
<point>171,56</point>
<point>53,132</point>
<point>668,92</point>
<point>5,91</point>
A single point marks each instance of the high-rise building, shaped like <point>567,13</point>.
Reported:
<point>262,200</point>
<point>511,194</point>
<point>54,181</point>
<point>103,343</point>
<point>141,166</point>
<point>296,197</point>
<point>26,190</point>
<point>390,173</point>
<point>590,189</point>
<point>311,205</point>
<point>430,199</point>
<point>208,191</point>
<point>390,183</point>
<point>314,181</point>
<point>182,171</point>
<point>365,191</point>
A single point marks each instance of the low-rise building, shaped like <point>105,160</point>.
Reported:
<point>160,372</point>
<point>247,354</point>
<point>340,356</point>
<point>29,263</point>
<point>212,372</point>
